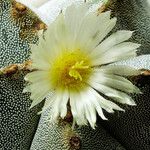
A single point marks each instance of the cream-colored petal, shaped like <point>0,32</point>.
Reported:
<point>86,105</point>
<point>106,104</point>
<point>56,106</point>
<point>36,76</point>
<point>94,28</point>
<point>115,81</point>
<point>38,95</point>
<point>89,108</point>
<point>94,102</point>
<point>63,103</point>
<point>56,30</point>
<point>108,59</point>
<point>90,114</point>
<point>74,16</point>
<point>58,36</point>
<point>47,50</point>
<point>112,93</point>
<point>73,106</point>
<point>40,56</point>
<point>60,30</point>
<point>51,97</point>
<point>118,70</point>
<point>77,108</point>
<point>112,40</point>
<point>36,86</point>
<point>116,53</point>
<point>98,37</point>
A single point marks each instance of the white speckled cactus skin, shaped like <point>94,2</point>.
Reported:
<point>19,129</point>
<point>17,123</point>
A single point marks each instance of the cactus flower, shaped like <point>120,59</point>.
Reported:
<point>74,66</point>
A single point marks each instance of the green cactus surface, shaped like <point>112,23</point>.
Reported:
<point>22,129</point>
<point>17,123</point>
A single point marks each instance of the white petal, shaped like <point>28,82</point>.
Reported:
<point>112,40</point>
<point>37,85</point>
<point>116,53</point>
<point>90,96</point>
<point>63,103</point>
<point>86,106</point>
<point>51,97</point>
<point>56,106</point>
<point>115,81</point>
<point>119,70</point>
<point>114,94</point>
<point>94,28</point>
<point>36,76</point>
<point>77,108</point>
<point>38,95</point>
<point>40,56</point>
<point>106,104</point>
<point>98,37</point>
<point>73,17</point>
<point>57,33</point>
<point>39,91</point>
<point>89,108</point>
<point>90,115</point>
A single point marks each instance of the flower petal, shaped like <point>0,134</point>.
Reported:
<point>74,16</point>
<point>115,81</point>
<point>106,104</point>
<point>77,108</point>
<point>37,76</point>
<point>121,70</point>
<point>116,53</point>
<point>55,106</point>
<point>114,94</point>
<point>38,95</point>
<point>40,56</point>
<point>94,28</point>
<point>63,103</point>
<point>51,97</point>
<point>90,21</point>
<point>112,40</point>
<point>94,102</point>
<point>90,114</point>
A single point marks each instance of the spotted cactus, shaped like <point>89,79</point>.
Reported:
<point>20,128</point>
<point>17,123</point>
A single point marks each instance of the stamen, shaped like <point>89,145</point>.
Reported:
<point>74,71</point>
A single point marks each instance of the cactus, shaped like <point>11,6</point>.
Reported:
<point>19,129</point>
<point>17,123</point>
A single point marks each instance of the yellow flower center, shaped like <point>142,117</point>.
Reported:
<point>71,70</point>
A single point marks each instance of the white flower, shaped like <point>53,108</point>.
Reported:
<point>48,10</point>
<point>73,66</point>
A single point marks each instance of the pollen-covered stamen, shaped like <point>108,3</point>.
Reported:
<point>74,70</point>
